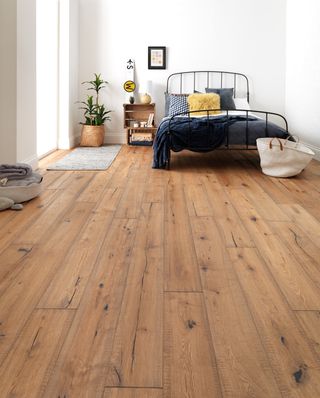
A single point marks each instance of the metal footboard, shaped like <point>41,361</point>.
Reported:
<point>242,112</point>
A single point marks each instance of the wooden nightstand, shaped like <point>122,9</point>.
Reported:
<point>135,115</point>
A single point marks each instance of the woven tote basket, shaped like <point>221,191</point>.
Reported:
<point>283,158</point>
<point>92,135</point>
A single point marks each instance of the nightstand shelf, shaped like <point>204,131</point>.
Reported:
<point>134,116</point>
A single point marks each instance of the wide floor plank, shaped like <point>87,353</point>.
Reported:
<point>21,222</point>
<point>12,261</point>
<point>190,369</point>
<point>304,250</point>
<point>199,281</point>
<point>68,284</point>
<point>310,323</point>
<point>23,293</point>
<point>296,367</point>
<point>197,201</point>
<point>306,221</point>
<point>181,267</point>
<point>137,347</point>
<point>27,368</point>
<point>243,365</point>
<point>132,393</point>
<point>235,235</point>
<point>297,286</point>
<point>43,226</point>
<point>81,367</point>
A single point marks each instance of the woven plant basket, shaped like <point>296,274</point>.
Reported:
<point>92,135</point>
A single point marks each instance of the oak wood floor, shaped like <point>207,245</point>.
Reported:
<point>198,282</point>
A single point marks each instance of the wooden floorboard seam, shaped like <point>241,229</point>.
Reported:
<point>193,245</point>
<point>35,307</point>
<point>70,251</point>
<point>244,293</point>
<point>284,352</point>
<point>97,263</point>
<point>271,275</point>
<point>211,343</point>
<point>125,284</point>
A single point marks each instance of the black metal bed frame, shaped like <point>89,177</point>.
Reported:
<point>208,79</point>
<point>209,74</point>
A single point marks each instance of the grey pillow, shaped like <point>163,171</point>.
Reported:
<point>226,97</point>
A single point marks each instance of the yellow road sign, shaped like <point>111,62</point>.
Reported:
<point>129,86</point>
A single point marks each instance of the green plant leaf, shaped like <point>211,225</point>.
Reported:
<point>94,113</point>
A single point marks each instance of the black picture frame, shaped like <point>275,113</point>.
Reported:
<point>157,57</point>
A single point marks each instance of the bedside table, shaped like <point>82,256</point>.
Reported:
<point>136,117</point>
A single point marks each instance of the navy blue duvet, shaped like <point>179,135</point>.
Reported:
<point>202,134</point>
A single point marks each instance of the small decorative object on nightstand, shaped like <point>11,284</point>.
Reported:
<point>139,123</point>
<point>145,98</point>
<point>146,90</point>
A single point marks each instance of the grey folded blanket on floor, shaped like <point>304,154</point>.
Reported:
<point>15,171</point>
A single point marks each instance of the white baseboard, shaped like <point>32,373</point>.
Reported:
<point>315,149</point>
<point>109,138</point>
<point>46,154</point>
<point>115,138</point>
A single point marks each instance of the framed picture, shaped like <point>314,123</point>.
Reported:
<point>156,57</point>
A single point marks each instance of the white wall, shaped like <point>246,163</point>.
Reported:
<point>246,36</point>
<point>18,81</point>
<point>26,83</point>
<point>8,84</point>
<point>303,71</point>
<point>18,94</point>
<point>68,73</point>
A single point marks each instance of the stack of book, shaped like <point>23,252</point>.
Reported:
<point>144,134</point>
<point>141,138</point>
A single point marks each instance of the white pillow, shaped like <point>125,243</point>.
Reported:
<point>242,103</point>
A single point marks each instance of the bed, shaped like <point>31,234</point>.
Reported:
<point>199,127</point>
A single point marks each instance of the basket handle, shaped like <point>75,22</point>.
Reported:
<point>280,143</point>
<point>296,141</point>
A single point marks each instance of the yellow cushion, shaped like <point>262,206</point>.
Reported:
<point>199,102</point>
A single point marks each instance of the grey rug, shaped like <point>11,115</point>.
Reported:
<point>85,158</point>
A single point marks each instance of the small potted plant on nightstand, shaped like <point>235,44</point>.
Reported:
<point>95,115</point>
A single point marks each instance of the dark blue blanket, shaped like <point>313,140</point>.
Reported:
<point>205,134</point>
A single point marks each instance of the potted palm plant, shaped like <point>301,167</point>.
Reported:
<point>95,114</point>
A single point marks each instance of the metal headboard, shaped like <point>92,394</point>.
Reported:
<point>208,77</point>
